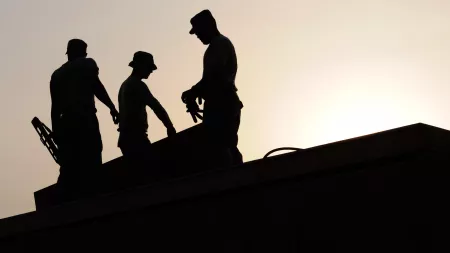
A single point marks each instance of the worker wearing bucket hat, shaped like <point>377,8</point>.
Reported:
<point>134,97</point>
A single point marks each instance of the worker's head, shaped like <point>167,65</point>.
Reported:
<point>76,48</point>
<point>143,64</point>
<point>204,26</point>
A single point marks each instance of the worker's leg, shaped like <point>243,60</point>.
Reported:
<point>68,158</point>
<point>80,149</point>
<point>218,151</point>
<point>234,123</point>
<point>91,157</point>
<point>135,148</point>
<point>222,117</point>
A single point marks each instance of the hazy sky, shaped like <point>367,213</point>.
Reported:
<point>310,71</point>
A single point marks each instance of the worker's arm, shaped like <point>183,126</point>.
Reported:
<point>159,110</point>
<point>213,63</point>
<point>101,93</point>
<point>56,108</point>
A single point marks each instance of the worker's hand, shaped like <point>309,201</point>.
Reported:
<point>196,115</point>
<point>171,132</point>
<point>115,115</point>
<point>188,96</point>
<point>194,110</point>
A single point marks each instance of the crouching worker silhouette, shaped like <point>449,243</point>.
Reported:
<point>134,96</point>
<point>76,131</point>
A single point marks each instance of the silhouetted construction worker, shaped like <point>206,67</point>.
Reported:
<point>222,108</point>
<point>74,121</point>
<point>134,97</point>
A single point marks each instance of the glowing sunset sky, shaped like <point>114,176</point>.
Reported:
<point>310,71</point>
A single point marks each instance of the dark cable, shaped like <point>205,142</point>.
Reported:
<point>281,149</point>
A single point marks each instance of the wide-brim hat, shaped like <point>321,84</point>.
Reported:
<point>142,58</point>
